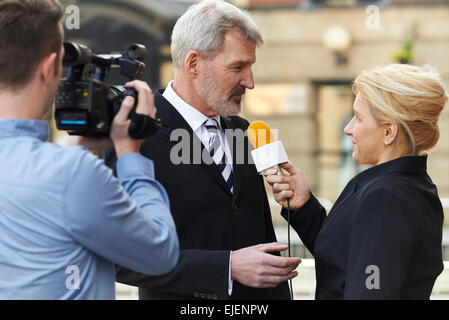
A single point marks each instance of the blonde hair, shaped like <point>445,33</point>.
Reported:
<point>411,96</point>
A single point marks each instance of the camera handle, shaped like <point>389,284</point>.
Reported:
<point>141,126</point>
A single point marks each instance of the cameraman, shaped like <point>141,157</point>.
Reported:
<point>64,219</point>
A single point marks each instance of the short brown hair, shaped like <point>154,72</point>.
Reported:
<point>29,30</point>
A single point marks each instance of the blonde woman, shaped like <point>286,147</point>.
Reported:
<point>382,238</point>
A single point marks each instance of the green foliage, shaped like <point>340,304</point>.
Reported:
<point>405,54</point>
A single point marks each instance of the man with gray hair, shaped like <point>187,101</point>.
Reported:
<point>220,207</point>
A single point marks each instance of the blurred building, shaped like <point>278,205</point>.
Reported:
<point>109,25</point>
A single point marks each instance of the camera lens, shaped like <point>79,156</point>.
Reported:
<point>137,51</point>
<point>75,54</point>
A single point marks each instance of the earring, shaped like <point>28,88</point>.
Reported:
<point>386,144</point>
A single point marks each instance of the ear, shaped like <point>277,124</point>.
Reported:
<point>192,63</point>
<point>46,67</point>
<point>391,131</point>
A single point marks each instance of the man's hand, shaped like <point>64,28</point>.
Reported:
<point>123,143</point>
<point>293,186</point>
<point>255,267</point>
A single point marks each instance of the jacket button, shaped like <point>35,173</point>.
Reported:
<point>196,295</point>
<point>234,207</point>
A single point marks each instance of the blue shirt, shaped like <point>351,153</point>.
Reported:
<point>65,220</point>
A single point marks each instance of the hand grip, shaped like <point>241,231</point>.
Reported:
<point>142,126</point>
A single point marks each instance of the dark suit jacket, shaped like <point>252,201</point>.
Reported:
<point>210,220</point>
<point>382,238</point>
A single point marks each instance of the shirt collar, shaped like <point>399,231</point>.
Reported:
<point>24,127</point>
<point>408,165</point>
<point>191,115</point>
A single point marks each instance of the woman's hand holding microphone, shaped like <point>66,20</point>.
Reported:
<point>293,186</point>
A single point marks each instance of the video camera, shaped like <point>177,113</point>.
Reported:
<point>86,105</point>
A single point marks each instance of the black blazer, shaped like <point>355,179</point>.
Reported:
<point>210,220</point>
<point>382,238</point>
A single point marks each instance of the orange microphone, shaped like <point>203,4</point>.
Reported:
<point>267,152</point>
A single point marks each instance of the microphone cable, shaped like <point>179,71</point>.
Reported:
<point>288,240</point>
<point>288,233</point>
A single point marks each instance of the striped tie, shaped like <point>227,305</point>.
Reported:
<point>217,153</point>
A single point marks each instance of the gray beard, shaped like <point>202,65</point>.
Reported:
<point>207,90</point>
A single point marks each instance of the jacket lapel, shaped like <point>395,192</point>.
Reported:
<point>347,194</point>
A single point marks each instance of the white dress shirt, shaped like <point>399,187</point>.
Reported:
<point>196,119</point>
